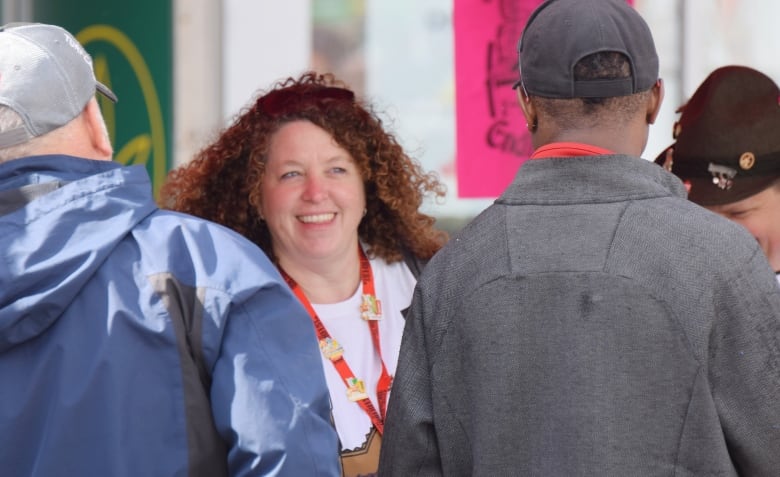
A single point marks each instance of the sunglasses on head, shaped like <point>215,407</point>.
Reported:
<point>294,98</point>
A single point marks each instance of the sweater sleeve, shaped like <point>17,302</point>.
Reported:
<point>744,368</point>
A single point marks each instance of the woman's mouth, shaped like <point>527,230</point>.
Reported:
<point>317,218</point>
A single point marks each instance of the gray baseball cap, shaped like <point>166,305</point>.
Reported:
<point>46,76</point>
<point>559,33</point>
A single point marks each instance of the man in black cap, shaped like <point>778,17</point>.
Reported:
<point>592,321</point>
<point>727,151</point>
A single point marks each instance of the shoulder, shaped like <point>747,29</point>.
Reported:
<point>682,250</point>
<point>205,251</point>
<point>682,225</point>
<point>414,263</point>
<point>398,274</point>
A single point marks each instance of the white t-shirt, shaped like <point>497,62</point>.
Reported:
<point>394,284</point>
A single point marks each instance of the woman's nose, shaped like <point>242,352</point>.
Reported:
<point>315,189</point>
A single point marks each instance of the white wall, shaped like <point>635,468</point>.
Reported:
<point>225,52</point>
<point>264,41</point>
<point>197,75</point>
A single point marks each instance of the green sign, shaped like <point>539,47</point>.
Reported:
<point>131,45</point>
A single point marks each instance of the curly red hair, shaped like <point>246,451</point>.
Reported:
<point>222,182</point>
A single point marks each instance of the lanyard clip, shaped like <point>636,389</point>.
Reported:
<point>370,308</point>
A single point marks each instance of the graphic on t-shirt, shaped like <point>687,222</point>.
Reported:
<point>363,461</point>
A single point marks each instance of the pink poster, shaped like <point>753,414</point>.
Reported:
<point>492,141</point>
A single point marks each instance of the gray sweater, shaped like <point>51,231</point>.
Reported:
<point>592,322</point>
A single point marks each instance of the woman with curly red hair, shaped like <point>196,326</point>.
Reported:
<point>309,174</point>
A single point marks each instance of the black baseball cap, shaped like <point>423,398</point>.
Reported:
<point>559,33</point>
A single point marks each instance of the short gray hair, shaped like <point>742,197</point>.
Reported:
<point>10,119</point>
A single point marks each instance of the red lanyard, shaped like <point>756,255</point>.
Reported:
<point>371,312</point>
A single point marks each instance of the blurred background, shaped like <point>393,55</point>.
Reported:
<point>439,71</point>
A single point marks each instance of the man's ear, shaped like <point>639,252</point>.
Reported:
<point>98,134</point>
<point>529,110</point>
<point>654,103</point>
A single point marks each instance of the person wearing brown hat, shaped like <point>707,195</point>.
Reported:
<point>592,321</point>
<point>727,151</point>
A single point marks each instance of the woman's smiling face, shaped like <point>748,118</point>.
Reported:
<point>313,195</point>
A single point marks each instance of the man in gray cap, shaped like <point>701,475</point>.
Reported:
<point>727,151</point>
<point>592,321</point>
<point>133,341</point>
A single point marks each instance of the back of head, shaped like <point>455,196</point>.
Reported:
<point>559,34</point>
<point>727,137</point>
<point>47,79</point>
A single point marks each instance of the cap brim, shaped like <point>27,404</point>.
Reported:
<point>704,192</point>
<point>103,89</point>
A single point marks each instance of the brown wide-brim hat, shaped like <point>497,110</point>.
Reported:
<point>727,144</point>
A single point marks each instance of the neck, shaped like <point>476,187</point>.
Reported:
<point>621,138</point>
<point>327,281</point>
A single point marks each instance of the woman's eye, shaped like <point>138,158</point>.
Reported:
<point>339,170</point>
<point>290,174</point>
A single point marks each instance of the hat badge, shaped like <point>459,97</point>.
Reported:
<point>722,176</point>
<point>747,160</point>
